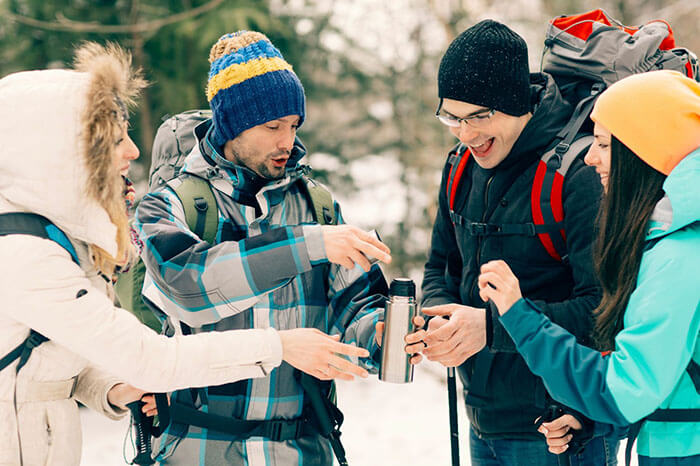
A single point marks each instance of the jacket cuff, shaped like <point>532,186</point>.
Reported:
<point>500,339</point>
<point>315,247</point>
<point>489,326</point>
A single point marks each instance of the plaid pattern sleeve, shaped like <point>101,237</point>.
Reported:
<point>199,283</point>
<point>355,304</point>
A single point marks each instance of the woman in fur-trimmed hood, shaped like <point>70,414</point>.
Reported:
<point>64,147</point>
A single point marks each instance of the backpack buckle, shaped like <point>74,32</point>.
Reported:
<point>200,204</point>
<point>482,229</point>
<point>284,429</point>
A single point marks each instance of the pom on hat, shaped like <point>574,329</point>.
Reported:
<point>249,84</point>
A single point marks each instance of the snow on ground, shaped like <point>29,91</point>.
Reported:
<point>385,424</point>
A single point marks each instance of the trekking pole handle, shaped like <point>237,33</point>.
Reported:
<point>142,430</point>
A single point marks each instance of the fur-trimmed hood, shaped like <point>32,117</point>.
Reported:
<point>59,130</point>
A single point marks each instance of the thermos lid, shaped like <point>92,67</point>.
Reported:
<point>402,287</point>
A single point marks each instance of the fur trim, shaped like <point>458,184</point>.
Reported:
<point>114,86</point>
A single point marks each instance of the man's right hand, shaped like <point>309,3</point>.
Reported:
<point>347,245</point>
<point>319,355</point>
<point>451,342</point>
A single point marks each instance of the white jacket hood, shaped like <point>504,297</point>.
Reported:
<point>59,131</point>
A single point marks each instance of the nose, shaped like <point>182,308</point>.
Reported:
<point>591,159</point>
<point>466,133</point>
<point>131,152</point>
<point>286,142</point>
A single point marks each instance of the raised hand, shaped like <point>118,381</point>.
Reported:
<point>498,284</point>
<point>347,245</point>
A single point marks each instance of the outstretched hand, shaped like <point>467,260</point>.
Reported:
<point>348,245</point>
<point>320,355</point>
<point>498,284</point>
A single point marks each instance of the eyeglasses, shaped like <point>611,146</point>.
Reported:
<point>479,120</point>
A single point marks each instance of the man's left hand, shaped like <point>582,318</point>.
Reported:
<point>456,339</point>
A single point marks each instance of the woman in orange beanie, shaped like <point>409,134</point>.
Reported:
<point>647,152</point>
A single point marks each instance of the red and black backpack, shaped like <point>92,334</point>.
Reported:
<point>585,54</point>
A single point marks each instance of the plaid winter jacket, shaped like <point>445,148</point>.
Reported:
<point>267,268</point>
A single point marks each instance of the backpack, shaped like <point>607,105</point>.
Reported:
<point>23,223</point>
<point>174,140</point>
<point>585,54</point>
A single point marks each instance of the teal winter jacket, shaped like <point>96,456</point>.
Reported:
<point>647,369</point>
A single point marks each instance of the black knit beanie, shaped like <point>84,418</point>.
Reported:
<point>487,65</point>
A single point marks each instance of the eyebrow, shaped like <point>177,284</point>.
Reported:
<point>475,112</point>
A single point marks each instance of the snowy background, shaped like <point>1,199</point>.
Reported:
<point>385,424</point>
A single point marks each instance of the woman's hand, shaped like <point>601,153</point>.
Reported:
<point>122,394</point>
<point>557,432</point>
<point>498,284</point>
<point>318,354</point>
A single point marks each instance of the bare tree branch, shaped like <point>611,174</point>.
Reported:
<point>66,25</point>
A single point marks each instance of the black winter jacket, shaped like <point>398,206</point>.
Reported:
<point>505,403</point>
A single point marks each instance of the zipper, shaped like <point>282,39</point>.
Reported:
<point>478,244</point>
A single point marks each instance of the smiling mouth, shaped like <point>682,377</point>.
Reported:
<point>482,149</point>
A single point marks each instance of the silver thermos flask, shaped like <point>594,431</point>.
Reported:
<point>399,311</point>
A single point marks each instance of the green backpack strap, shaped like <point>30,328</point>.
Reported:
<point>199,203</point>
<point>322,201</point>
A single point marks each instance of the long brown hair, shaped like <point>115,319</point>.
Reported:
<point>634,188</point>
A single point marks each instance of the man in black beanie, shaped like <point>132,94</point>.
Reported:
<point>505,119</point>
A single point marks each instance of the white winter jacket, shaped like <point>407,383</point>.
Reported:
<point>44,169</point>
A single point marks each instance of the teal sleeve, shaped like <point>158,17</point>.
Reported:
<point>573,374</point>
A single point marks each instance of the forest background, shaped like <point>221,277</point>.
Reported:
<point>369,69</point>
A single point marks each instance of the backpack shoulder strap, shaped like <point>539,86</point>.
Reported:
<point>24,223</point>
<point>546,195</point>
<point>322,202</point>
<point>199,203</point>
<point>458,161</point>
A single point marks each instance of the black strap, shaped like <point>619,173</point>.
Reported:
<point>23,350</point>
<point>25,223</point>
<point>504,229</point>
<point>275,429</point>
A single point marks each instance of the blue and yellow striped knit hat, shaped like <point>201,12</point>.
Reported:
<point>249,84</point>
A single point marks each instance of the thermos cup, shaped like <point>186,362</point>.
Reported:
<point>399,311</point>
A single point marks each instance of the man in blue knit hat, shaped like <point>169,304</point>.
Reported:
<point>271,265</point>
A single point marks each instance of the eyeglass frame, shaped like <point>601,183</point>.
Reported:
<point>486,114</point>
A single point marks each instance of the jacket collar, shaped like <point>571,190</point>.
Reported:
<point>679,207</point>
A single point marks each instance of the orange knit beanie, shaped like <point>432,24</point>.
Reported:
<point>655,114</point>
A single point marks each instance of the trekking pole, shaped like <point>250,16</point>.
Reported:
<point>142,429</point>
<point>452,401</point>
